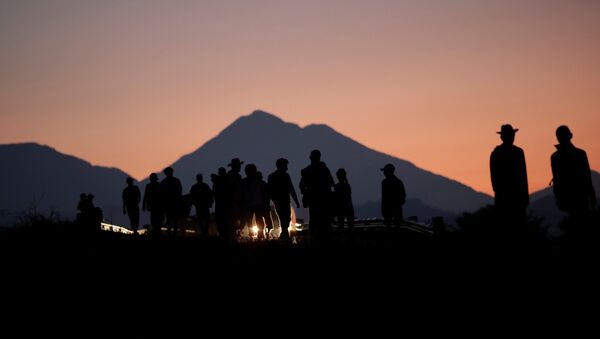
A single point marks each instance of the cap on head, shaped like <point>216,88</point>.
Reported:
<point>507,129</point>
<point>168,171</point>
<point>389,168</point>
<point>235,162</point>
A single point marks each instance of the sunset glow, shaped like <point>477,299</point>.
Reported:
<point>138,84</point>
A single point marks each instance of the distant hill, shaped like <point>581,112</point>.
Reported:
<point>544,205</point>
<point>38,176</point>
<point>261,138</point>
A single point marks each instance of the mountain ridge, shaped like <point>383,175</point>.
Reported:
<point>249,136</point>
<point>260,138</point>
<point>55,186</point>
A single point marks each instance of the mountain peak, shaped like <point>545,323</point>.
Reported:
<point>259,114</point>
<point>257,119</point>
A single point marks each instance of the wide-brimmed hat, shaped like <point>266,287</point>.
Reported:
<point>235,161</point>
<point>507,129</point>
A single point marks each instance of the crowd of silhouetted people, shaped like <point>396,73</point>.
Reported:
<point>241,202</point>
<point>250,200</point>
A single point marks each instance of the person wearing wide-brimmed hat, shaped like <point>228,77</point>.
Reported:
<point>509,178</point>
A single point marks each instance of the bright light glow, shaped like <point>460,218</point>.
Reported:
<point>254,231</point>
<point>118,229</point>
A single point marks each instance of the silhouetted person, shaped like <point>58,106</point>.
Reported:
<point>253,196</point>
<point>131,204</point>
<point>315,185</point>
<point>152,202</point>
<point>265,211</point>
<point>233,186</point>
<point>170,188</point>
<point>202,198</point>
<point>393,196</point>
<point>95,214</point>
<point>343,200</point>
<point>84,206</point>
<point>280,189</point>
<point>509,179</point>
<point>572,178</point>
<point>219,188</point>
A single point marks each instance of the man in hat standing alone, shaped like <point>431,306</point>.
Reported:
<point>509,178</point>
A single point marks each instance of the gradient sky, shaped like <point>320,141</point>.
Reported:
<point>137,84</point>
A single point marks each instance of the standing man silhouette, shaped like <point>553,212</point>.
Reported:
<point>509,178</point>
<point>233,197</point>
<point>202,199</point>
<point>131,202</point>
<point>393,196</point>
<point>315,185</point>
<point>343,200</point>
<point>280,189</point>
<point>219,189</point>
<point>572,178</point>
<point>170,189</point>
<point>152,202</point>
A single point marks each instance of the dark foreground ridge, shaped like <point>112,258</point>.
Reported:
<point>376,278</point>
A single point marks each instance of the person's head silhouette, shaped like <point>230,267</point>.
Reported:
<point>199,178</point>
<point>153,177</point>
<point>282,164</point>
<point>168,171</point>
<point>563,134</point>
<point>235,164</point>
<point>250,170</point>
<point>507,134</point>
<point>315,156</point>
<point>222,171</point>
<point>341,174</point>
<point>388,170</point>
<point>129,181</point>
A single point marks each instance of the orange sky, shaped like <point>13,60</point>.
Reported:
<point>137,84</point>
